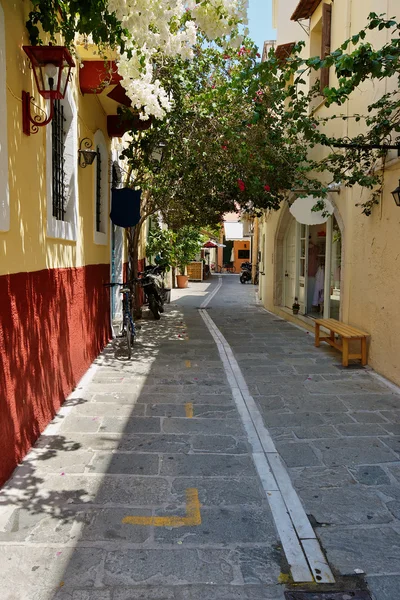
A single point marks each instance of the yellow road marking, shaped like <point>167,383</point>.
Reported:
<point>188,363</point>
<point>189,410</point>
<point>193,516</point>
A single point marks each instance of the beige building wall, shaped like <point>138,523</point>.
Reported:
<point>370,275</point>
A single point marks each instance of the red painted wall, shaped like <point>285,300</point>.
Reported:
<point>53,323</point>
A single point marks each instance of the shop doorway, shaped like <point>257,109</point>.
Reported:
<point>316,258</point>
<point>312,268</point>
<point>290,264</point>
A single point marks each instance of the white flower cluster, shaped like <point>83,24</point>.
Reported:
<point>168,27</point>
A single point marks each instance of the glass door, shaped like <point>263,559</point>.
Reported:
<point>290,246</point>
<point>335,271</point>
<point>303,268</point>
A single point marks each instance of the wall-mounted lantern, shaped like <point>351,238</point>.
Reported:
<point>396,195</point>
<point>51,67</point>
<point>86,156</point>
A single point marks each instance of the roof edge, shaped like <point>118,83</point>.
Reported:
<point>304,9</point>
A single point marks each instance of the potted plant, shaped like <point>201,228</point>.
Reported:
<point>295,306</point>
<point>175,249</point>
<point>186,246</point>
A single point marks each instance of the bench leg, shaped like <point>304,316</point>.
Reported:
<point>345,350</point>
<point>317,335</point>
<point>363,351</point>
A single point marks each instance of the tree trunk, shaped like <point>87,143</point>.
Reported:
<point>173,273</point>
<point>133,259</point>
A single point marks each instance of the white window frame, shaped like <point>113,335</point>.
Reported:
<point>4,185</point>
<point>65,230</point>
<point>101,237</point>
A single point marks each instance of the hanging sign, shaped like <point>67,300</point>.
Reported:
<point>125,207</point>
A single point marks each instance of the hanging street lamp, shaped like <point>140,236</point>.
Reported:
<point>51,67</point>
<point>396,195</point>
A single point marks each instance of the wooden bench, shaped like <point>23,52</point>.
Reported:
<point>347,333</point>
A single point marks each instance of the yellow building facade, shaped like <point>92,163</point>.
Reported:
<point>57,243</point>
<point>348,267</point>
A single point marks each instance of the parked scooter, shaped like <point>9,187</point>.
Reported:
<point>152,282</point>
<point>245,275</point>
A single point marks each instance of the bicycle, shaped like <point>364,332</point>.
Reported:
<point>128,329</point>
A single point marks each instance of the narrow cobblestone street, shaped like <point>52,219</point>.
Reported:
<point>149,485</point>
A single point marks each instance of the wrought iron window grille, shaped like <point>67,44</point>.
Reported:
<point>58,161</point>
<point>98,190</point>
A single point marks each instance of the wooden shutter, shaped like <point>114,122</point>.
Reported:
<point>325,43</point>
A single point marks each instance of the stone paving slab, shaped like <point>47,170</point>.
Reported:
<point>204,426</point>
<point>345,506</point>
<point>110,409</point>
<point>222,526</point>
<point>179,566</point>
<point>354,451</point>
<point>205,411</point>
<point>206,465</point>
<point>385,587</point>
<point>357,548</point>
<point>130,425</point>
<point>222,491</point>
<point>46,569</point>
<point>124,464</point>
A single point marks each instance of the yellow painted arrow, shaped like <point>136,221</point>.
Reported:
<point>193,516</point>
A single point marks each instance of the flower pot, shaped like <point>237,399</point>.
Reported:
<point>182,281</point>
<point>295,311</point>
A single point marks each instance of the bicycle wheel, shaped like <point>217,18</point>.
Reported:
<point>218,269</point>
<point>129,336</point>
<point>232,269</point>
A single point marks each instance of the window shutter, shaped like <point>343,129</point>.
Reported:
<point>326,43</point>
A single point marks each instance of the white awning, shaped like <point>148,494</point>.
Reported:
<point>233,231</point>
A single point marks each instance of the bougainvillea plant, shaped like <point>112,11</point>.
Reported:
<point>142,32</point>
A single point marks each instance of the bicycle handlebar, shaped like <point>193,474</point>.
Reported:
<point>122,284</point>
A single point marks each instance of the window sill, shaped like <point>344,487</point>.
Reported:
<point>61,230</point>
<point>100,238</point>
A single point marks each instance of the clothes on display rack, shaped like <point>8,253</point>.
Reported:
<point>313,251</point>
<point>319,286</point>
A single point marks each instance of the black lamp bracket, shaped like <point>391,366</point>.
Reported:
<point>86,155</point>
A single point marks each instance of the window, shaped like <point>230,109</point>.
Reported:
<point>325,43</point>
<point>58,160</point>
<point>98,190</point>
<point>320,45</point>
<point>61,170</point>
<point>244,254</point>
<point>4,190</point>
<point>103,177</point>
